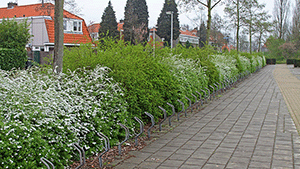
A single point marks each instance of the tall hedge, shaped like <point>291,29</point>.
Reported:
<point>13,36</point>
<point>12,58</point>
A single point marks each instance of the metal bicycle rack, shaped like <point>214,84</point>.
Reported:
<point>165,117</point>
<point>46,162</point>
<point>81,154</point>
<point>106,147</point>
<point>152,121</point>
<point>126,138</point>
<point>173,109</point>
<point>141,130</point>
<point>182,105</point>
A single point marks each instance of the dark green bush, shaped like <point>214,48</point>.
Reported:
<point>297,63</point>
<point>12,58</point>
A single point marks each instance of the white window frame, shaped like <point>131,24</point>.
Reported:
<point>72,25</point>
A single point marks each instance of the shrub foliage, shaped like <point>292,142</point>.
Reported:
<point>42,114</point>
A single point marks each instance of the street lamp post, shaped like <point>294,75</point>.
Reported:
<point>171,13</point>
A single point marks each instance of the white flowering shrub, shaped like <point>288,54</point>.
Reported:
<point>43,114</point>
<point>226,65</point>
<point>189,73</point>
<point>243,63</point>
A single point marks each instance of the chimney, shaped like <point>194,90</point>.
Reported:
<point>11,5</point>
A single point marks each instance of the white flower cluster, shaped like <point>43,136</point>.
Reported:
<point>189,72</point>
<point>226,65</point>
<point>64,108</point>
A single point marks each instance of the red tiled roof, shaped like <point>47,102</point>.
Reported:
<point>47,10</point>
<point>188,33</point>
<point>69,38</point>
<point>120,26</point>
<point>94,28</point>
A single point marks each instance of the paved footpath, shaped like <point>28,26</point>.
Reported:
<point>248,127</point>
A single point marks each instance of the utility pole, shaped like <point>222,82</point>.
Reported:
<point>171,13</point>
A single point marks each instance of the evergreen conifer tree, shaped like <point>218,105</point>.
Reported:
<point>109,25</point>
<point>164,22</point>
<point>136,21</point>
<point>202,39</point>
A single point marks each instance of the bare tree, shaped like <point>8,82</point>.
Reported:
<point>252,9</point>
<point>280,13</point>
<point>59,36</point>
<point>69,5</point>
<point>232,10</point>
<point>209,4</point>
<point>296,24</point>
<point>262,26</point>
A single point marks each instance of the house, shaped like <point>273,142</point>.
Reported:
<point>153,36</point>
<point>94,30</point>
<point>186,35</point>
<point>41,19</point>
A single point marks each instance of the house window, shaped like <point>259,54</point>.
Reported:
<point>65,25</point>
<point>77,26</point>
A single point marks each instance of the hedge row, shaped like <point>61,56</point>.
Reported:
<point>12,58</point>
<point>43,114</point>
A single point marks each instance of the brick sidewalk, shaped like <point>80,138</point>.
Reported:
<point>248,127</point>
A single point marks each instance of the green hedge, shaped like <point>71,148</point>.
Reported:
<point>12,58</point>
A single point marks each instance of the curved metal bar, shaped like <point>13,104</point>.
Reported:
<point>200,98</point>
<point>152,121</point>
<point>165,117</point>
<point>205,96</point>
<point>182,105</point>
<point>106,143</point>
<point>173,109</point>
<point>213,91</point>
<point>196,100</point>
<point>141,130</point>
<point>107,139</point>
<point>217,89</point>
<point>46,162</point>
<point>126,137</point>
<point>190,105</point>
<point>208,93</point>
<point>81,154</point>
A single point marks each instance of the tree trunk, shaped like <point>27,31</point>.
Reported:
<point>238,25</point>
<point>59,37</point>
<point>208,21</point>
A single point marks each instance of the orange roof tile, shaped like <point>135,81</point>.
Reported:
<point>47,10</point>
<point>120,26</point>
<point>188,33</point>
<point>94,28</point>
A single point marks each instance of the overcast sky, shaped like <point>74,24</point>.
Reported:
<point>92,10</point>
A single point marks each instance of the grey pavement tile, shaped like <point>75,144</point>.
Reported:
<point>125,165</point>
<point>195,161</point>
<point>185,151</point>
<point>157,158</point>
<point>281,164</point>
<point>172,163</point>
<point>202,153</point>
<point>242,153</point>
<point>169,149</point>
<point>287,158</point>
<point>261,165</point>
<point>186,166</point>
<point>179,157</point>
<point>140,154</point>
<point>212,166</point>
<point>262,159</point>
<point>163,153</point>
<point>147,165</point>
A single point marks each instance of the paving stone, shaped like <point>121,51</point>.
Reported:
<point>172,163</point>
<point>146,165</point>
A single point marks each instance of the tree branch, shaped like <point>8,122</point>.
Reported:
<point>215,4</point>
<point>203,3</point>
